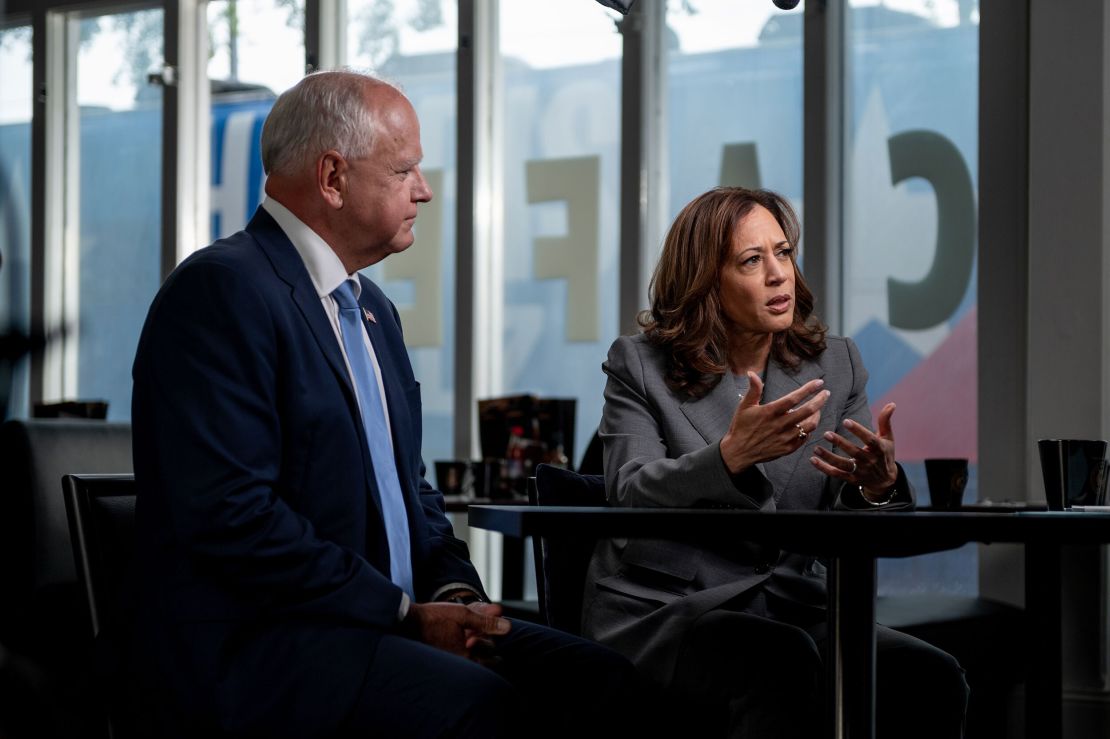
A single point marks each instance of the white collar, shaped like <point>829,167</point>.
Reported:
<point>323,264</point>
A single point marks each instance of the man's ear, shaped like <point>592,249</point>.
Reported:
<point>331,178</point>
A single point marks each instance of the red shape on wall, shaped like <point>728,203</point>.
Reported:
<point>938,400</point>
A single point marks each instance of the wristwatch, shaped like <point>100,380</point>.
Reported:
<point>463,597</point>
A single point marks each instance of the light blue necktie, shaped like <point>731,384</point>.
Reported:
<point>377,436</point>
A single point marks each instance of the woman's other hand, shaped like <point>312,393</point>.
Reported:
<point>870,464</point>
<point>759,433</point>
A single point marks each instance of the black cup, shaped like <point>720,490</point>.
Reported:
<point>947,480</point>
<point>452,476</point>
<point>487,479</point>
<point>1074,472</point>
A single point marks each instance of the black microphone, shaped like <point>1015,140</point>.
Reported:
<point>785,4</point>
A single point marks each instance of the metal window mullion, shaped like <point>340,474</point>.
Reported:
<point>69,244</point>
<point>185,126</point>
<point>478,277</point>
<point>325,44</point>
<point>478,283</point>
<point>41,202</point>
<point>643,167</point>
<point>464,230</point>
<point>170,129</point>
<point>823,146</point>
<point>312,34</point>
<point>196,118</point>
<point>51,185</point>
<point>489,179</point>
<point>655,151</point>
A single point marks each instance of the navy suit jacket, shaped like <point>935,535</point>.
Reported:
<point>263,576</point>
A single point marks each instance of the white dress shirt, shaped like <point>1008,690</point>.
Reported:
<point>327,274</point>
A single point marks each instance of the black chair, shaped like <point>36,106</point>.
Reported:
<point>41,616</point>
<point>986,636</point>
<point>593,459</point>
<point>561,562</point>
<point>101,510</point>
<point>566,568</point>
<point>38,583</point>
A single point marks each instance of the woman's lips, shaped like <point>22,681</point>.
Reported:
<point>779,304</point>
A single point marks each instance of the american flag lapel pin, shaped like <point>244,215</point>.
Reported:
<point>369,316</point>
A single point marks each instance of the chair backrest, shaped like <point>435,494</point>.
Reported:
<point>593,459</point>
<point>101,510</point>
<point>562,561</point>
<point>34,455</point>
<point>38,583</point>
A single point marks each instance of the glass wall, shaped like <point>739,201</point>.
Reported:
<point>15,210</point>
<point>910,247</point>
<point>413,44</point>
<point>734,88</point>
<point>560,184</point>
<point>115,138</point>
<point>733,115</point>
<point>256,51</point>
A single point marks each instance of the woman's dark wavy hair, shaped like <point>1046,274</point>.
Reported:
<point>685,319</point>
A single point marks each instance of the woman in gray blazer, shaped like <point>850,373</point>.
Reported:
<point>734,396</point>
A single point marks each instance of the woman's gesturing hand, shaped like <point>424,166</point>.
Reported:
<point>870,465</point>
<point>759,433</point>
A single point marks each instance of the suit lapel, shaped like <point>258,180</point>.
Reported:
<point>304,295</point>
<point>712,414</point>
<point>290,268</point>
<point>779,383</point>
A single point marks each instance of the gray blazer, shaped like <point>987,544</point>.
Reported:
<point>662,449</point>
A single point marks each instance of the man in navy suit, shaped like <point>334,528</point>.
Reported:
<point>297,575</point>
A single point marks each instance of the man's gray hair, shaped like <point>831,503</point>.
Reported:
<point>325,110</point>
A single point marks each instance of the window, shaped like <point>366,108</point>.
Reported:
<point>111,267</point>
<point>734,87</point>
<point>560,182</point>
<point>412,43</point>
<point>15,208</point>
<point>256,51</point>
<point>910,239</point>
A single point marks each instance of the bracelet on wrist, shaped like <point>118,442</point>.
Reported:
<point>887,497</point>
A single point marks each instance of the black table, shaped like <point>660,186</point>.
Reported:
<point>512,550</point>
<point>852,541</point>
<point>462,503</point>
